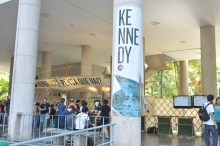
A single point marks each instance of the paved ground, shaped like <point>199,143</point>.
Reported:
<point>152,140</point>
<point>163,140</point>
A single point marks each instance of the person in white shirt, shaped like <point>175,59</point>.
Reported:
<point>210,125</point>
<point>82,119</point>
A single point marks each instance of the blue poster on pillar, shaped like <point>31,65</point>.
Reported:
<point>127,62</point>
<point>126,100</point>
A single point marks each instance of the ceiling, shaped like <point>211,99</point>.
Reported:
<point>66,25</point>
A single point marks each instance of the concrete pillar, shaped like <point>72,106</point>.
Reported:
<point>24,71</point>
<point>183,78</point>
<point>127,72</point>
<point>86,66</point>
<point>46,65</point>
<point>86,60</point>
<point>208,60</point>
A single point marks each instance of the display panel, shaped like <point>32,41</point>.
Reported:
<point>198,100</point>
<point>182,101</point>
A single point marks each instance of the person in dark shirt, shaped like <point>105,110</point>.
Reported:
<point>52,113</point>
<point>78,107</point>
<point>104,112</point>
<point>44,109</point>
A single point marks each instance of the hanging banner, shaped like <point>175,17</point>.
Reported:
<point>128,78</point>
<point>72,82</point>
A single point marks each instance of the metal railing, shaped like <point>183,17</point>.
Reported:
<point>3,124</point>
<point>51,131</point>
<point>77,136</point>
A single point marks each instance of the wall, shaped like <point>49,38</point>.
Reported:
<point>164,107</point>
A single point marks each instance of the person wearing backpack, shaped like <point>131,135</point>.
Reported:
<point>210,125</point>
<point>217,113</point>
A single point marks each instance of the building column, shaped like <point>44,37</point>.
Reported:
<point>127,72</point>
<point>86,66</point>
<point>208,60</point>
<point>24,71</point>
<point>46,65</point>
<point>183,78</point>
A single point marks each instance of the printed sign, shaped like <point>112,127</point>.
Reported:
<point>127,80</point>
<point>72,82</point>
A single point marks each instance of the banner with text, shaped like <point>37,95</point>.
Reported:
<point>72,82</point>
<point>128,77</point>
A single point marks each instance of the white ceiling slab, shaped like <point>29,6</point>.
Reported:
<point>66,25</point>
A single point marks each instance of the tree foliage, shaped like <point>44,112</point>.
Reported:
<point>4,83</point>
<point>169,81</point>
<point>194,74</point>
<point>166,81</point>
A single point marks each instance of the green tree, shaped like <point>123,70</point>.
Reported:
<point>194,74</point>
<point>169,82</point>
<point>4,83</point>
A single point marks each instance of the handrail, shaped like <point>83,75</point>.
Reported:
<point>60,135</point>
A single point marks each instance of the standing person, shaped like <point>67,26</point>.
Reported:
<point>217,114</point>
<point>7,109</point>
<point>210,125</point>
<point>56,105</point>
<point>36,115</point>
<point>1,112</point>
<point>84,103</point>
<point>78,107</point>
<point>98,107</point>
<point>61,109</point>
<point>72,105</point>
<point>81,121</point>
<point>52,113</point>
<point>104,112</point>
<point>61,106</point>
<point>44,109</point>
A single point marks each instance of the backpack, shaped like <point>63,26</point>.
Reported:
<point>152,130</point>
<point>203,114</point>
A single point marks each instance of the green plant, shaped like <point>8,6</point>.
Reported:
<point>5,136</point>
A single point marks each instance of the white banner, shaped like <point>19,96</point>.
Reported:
<point>128,78</point>
<point>72,82</point>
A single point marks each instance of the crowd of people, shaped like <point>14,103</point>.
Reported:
<point>72,117</point>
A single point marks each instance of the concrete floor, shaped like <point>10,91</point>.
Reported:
<point>160,140</point>
<point>163,140</point>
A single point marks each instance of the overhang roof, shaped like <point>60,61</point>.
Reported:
<point>66,25</point>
